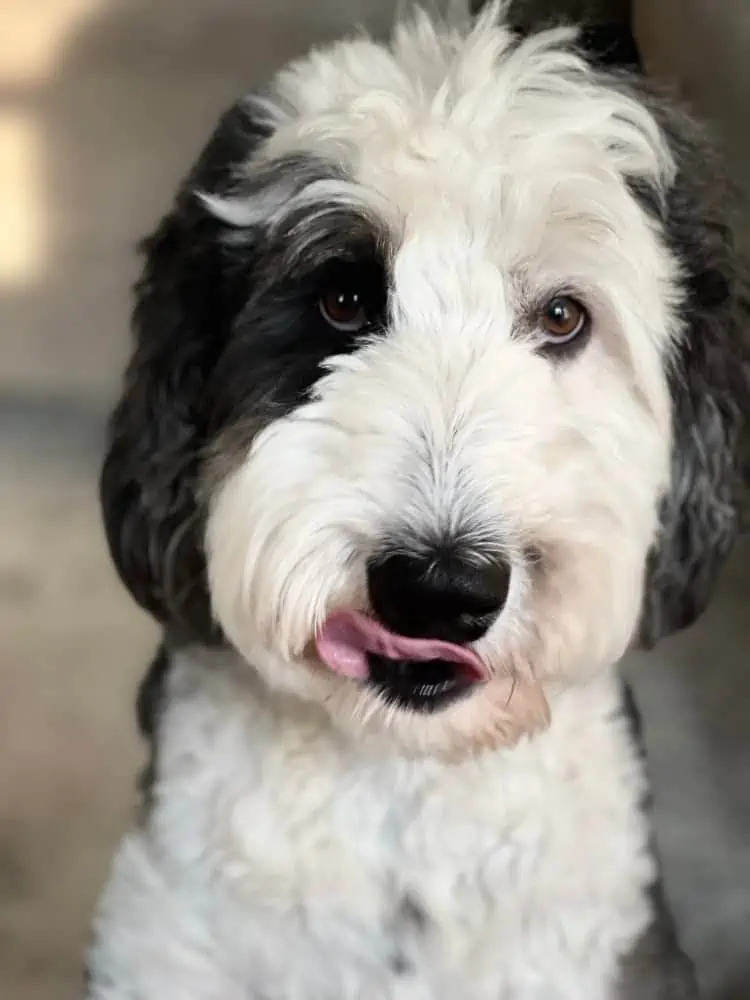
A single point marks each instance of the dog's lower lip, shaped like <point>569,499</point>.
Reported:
<point>422,686</point>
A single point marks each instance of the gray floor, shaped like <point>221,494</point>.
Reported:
<point>103,105</point>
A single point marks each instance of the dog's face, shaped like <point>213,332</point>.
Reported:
<point>417,403</point>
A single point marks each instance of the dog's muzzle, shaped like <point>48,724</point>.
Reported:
<point>414,648</point>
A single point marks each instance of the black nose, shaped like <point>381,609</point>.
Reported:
<point>438,595</point>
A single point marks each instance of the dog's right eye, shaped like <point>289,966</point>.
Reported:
<point>351,297</point>
<point>343,308</point>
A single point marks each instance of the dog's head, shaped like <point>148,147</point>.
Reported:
<point>435,366</point>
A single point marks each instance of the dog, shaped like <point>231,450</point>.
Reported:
<point>433,412</point>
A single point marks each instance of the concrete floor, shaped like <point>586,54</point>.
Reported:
<point>102,105</point>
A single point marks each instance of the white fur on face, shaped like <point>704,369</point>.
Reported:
<point>501,172</point>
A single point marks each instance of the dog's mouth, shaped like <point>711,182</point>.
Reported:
<point>419,674</point>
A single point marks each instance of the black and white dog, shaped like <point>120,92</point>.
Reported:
<point>433,412</point>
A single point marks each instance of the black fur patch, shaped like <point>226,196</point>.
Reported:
<point>279,339</point>
<point>186,299</point>
<point>227,337</point>
<point>149,708</point>
<point>611,45</point>
<point>606,42</point>
<point>709,385</point>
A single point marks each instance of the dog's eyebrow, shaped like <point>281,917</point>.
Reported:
<point>304,210</point>
<point>274,190</point>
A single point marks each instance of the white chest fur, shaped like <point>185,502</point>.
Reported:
<point>282,863</point>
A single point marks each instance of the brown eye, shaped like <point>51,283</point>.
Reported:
<point>343,308</point>
<point>563,319</point>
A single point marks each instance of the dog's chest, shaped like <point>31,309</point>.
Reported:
<point>346,875</point>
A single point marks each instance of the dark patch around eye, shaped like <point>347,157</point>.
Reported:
<point>280,340</point>
<point>359,286</point>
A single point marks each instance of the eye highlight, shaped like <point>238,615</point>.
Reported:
<point>351,297</point>
<point>343,308</point>
<point>562,319</point>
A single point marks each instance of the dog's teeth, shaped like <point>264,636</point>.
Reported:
<point>429,690</point>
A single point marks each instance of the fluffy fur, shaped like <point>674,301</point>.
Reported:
<point>283,860</point>
<point>305,837</point>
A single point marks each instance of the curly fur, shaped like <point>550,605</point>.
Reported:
<point>258,460</point>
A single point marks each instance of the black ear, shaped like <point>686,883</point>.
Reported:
<point>184,304</point>
<point>709,387</point>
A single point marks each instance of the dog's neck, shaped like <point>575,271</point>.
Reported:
<point>274,834</point>
<point>223,676</point>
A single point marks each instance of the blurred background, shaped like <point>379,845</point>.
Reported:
<point>103,105</point>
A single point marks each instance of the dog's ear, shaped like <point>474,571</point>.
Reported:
<point>709,388</point>
<point>184,304</point>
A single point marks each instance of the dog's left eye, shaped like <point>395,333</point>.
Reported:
<point>563,319</point>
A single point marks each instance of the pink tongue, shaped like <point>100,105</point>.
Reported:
<point>348,636</point>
